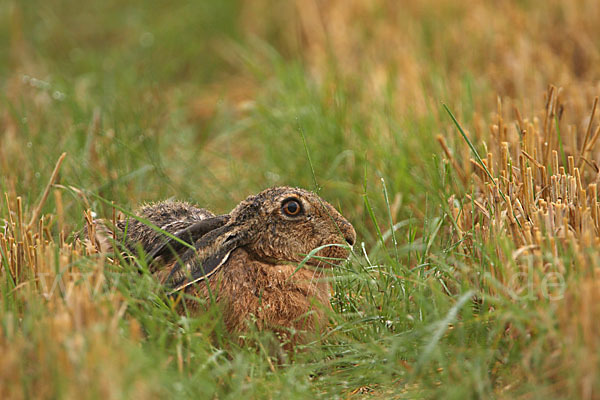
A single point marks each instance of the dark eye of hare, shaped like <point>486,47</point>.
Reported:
<point>291,207</point>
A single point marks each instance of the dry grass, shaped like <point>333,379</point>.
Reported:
<point>403,50</point>
<point>537,187</point>
<point>63,335</point>
<point>525,189</point>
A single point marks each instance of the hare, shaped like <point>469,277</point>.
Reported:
<point>247,260</point>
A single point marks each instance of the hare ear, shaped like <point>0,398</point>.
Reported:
<point>212,252</point>
<point>171,248</point>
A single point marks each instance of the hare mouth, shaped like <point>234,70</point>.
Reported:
<point>326,261</point>
<point>320,262</point>
<point>329,256</point>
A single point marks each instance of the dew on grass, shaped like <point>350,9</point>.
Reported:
<point>146,39</point>
<point>58,95</point>
<point>272,176</point>
<point>39,84</point>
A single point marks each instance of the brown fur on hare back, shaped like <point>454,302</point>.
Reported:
<point>248,258</point>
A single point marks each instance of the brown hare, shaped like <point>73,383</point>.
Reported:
<point>247,259</point>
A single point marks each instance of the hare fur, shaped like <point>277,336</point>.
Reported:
<point>247,259</point>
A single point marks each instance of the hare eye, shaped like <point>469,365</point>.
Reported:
<point>291,207</point>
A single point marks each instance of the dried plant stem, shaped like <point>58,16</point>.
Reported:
<point>53,177</point>
<point>589,128</point>
<point>542,200</point>
<point>451,158</point>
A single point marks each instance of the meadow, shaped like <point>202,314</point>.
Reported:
<point>459,138</point>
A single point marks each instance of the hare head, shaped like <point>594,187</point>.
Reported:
<point>286,224</point>
<point>278,225</point>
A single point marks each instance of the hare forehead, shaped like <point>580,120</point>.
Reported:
<point>308,199</point>
<point>314,207</point>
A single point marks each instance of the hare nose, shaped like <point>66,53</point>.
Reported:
<point>348,232</point>
<point>350,240</point>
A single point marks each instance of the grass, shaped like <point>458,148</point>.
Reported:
<point>476,269</point>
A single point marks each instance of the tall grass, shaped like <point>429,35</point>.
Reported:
<point>475,272</point>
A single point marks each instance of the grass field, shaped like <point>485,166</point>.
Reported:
<point>477,268</point>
